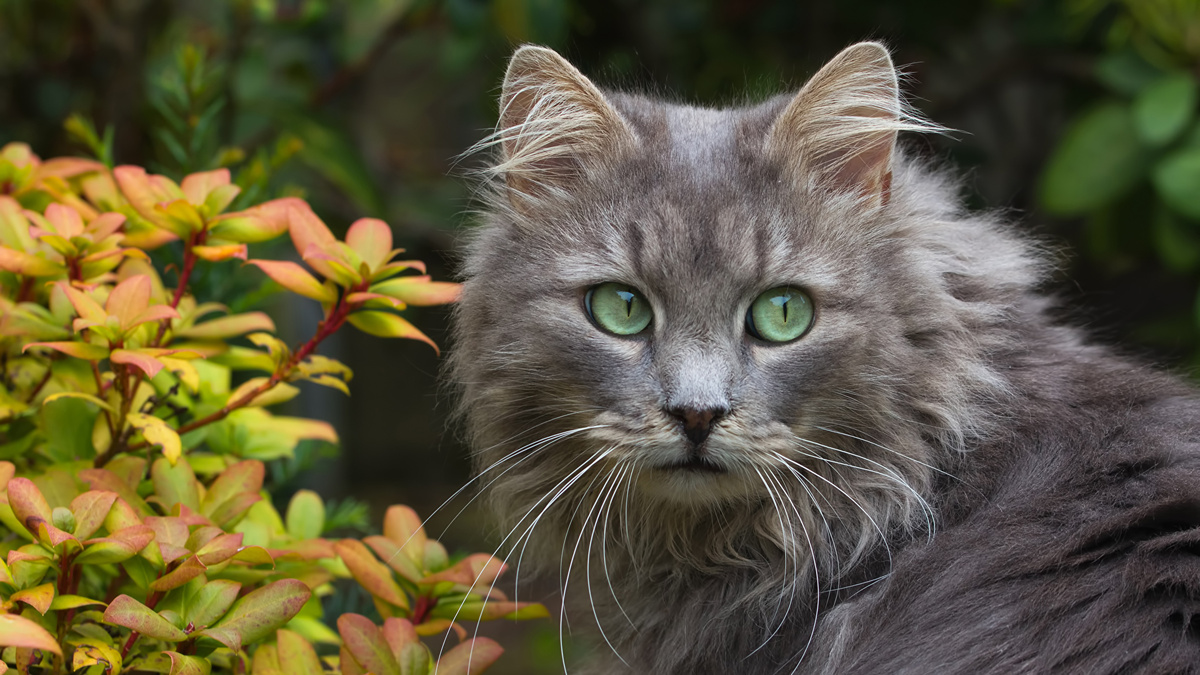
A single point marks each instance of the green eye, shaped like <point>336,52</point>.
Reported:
<point>779,315</point>
<point>617,308</point>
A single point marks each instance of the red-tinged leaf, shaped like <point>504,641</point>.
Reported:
<point>403,526</point>
<point>175,484</point>
<point>470,658</point>
<point>65,220</point>
<point>243,477</point>
<point>188,665</point>
<point>143,362</point>
<point>294,278</point>
<point>307,229</point>
<point>384,324</point>
<point>366,644</point>
<point>346,663</point>
<point>152,313</point>
<point>228,326</point>
<point>19,262</point>
<point>371,239</point>
<point>27,502</point>
<point>85,306</point>
<point>259,613</point>
<point>90,509</point>
<point>399,633</point>
<point>419,291</point>
<point>105,225</point>
<point>129,298</point>
<point>401,561</point>
<point>308,549</point>
<point>231,509</point>
<point>169,531</point>
<point>103,479</point>
<point>67,167</point>
<point>478,571</point>
<point>296,655</point>
<point>17,631</point>
<point>359,298</point>
<point>211,602</point>
<point>47,533</point>
<point>189,569</point>
<point>80,350</point>
<point>196,186</point>
<point>118,547</point>
<point>38,597</point>
<point>371,574</point>
<point>220,548</point>
<point>129,613</point>
<point>219,253</point>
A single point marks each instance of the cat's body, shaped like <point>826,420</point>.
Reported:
<point>933,477</point>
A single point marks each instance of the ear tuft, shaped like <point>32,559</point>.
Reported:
<point>840,130</point>
<point>553,122</point>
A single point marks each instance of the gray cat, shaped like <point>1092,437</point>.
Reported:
<point>766,399</point>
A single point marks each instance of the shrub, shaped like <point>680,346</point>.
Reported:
<point>134,525</point>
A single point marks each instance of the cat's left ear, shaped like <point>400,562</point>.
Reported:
<point>840,130</point>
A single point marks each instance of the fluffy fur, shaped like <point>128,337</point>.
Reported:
<point>936,478</point>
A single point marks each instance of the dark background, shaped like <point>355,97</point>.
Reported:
<point>1058,107</point>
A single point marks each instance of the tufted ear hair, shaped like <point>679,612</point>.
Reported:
<point>553,122</point>
<point>840,129</point>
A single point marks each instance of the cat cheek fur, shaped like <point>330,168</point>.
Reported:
<point>861,463</point>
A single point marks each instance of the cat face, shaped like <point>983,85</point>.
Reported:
<point>720,311</point>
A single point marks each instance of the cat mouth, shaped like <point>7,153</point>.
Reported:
<point>694,465</point>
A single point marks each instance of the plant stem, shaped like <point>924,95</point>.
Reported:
<point>328,326</point>
<point>185,275</point>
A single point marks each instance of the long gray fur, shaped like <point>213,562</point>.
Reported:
<point>938,477</point>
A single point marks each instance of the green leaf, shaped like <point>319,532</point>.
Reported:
<point>188,665</point>
<point>96,652</point>
<point>296,655</point>
<point>385,324</point>
<point>228,326</point>
<point>62,602</point>
<point>129,613</point>
<point>1162,110</point>
<point>68,427</point>
<point>80,350</point>
<point>1126,72</point>
<point>1098,161</point>
<point>210,602</point>
<point>305,515</point>
<point>259,613</point>
<point>189,569</point>
<point>1177,179</point>
<point>175,484</point>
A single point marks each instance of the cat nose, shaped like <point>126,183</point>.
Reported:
<point>697,424</point>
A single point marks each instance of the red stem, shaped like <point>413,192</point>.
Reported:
<point>328,326</point>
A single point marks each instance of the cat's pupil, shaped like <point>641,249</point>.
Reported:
<point>628,298</point>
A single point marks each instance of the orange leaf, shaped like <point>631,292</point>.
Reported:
<point>384,324</point>
<point>143,362</point>
<point>306,228</point>
<point>294,278</point>
<point>219,253</point>
<point>371,239</point>
<point>196,186</point>
<point>17,631</point>
<point>128,299</point>
<point>419,291</point>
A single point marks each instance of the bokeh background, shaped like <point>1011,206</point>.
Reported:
<point>1076,117</point>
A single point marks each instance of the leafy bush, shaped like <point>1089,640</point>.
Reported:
<point>133,520</point>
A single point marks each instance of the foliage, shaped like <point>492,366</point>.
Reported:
<point>132,514</point>
<point>1130,161</point>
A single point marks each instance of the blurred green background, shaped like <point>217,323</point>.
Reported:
<point>1077,117</point>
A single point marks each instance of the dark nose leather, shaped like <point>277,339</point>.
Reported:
<point>697,424</point>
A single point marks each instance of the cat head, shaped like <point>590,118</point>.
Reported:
<point>738,324</point>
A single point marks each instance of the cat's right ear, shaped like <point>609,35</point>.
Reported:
<point>553,122</point>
